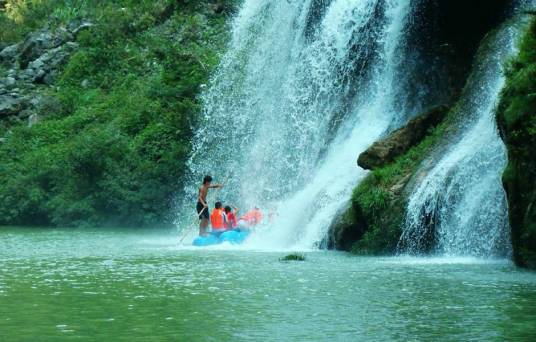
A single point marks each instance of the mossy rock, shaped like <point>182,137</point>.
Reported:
<point>372,222</point>
<point>516,117</point>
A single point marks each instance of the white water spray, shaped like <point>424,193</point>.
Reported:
<point>459,208</point>
<point>296,98</point>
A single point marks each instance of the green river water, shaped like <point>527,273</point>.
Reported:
<point>124,285</point>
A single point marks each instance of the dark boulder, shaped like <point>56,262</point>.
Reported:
<point>459,23</point>
<point>400,141</point>
<point>345,229</point>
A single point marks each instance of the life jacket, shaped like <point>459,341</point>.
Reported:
<point>231,220</point>
<point>252,217</point>
<point>217,219</point>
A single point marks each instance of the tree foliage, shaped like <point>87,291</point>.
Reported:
<point>114,151</point>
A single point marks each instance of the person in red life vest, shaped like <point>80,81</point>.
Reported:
<point>231,213</point>
<point>251,218</point>
<point>218,219</point>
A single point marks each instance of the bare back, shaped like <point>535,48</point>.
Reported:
<point>203,189</point>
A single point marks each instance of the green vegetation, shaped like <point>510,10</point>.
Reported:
<point>378,203</point>
<point>517,121</point>
<point>293,257</point>
<point>22,17</point>
<point>113,150</point>
<point>377,200</point>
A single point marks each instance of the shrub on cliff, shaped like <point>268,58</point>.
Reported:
<point>114,151</point>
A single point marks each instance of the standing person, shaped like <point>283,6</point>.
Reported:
<point>202,206</point>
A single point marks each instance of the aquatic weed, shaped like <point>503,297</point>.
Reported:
<point>293,257</point>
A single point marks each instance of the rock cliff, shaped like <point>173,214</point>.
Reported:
<point>30,67</point>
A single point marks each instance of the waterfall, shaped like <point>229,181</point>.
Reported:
<point>304,87</point>
<point>459,206</point>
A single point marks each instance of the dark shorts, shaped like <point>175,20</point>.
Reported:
<point>204,213</point>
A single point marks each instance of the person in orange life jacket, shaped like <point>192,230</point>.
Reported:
<point>218,219</point>
<point>231,217</point>
<point>251,218</point>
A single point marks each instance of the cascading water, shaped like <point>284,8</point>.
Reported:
<point>304,87</point>
<point>459,207</point>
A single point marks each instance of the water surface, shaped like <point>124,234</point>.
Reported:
<point>127,285</point>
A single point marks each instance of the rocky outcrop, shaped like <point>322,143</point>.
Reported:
<point>345,229</point>
<point>516,117</point>
<point>444,47</point>
<point>39,44</point>
<point>371,223</point>
<point>10,105</point>
<point>400,141</point>
<point>32,65</point>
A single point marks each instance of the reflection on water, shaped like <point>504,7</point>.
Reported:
<point>126,285</point>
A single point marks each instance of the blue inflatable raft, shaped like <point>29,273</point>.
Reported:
<point>232,236</point>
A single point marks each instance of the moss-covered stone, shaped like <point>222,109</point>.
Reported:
<point>400,141</point>
<point>372,223</point>
<point>516,117</point>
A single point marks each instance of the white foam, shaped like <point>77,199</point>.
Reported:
<point>289,111</point>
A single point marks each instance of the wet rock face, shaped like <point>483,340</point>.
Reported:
<point>516,120</point>
<point>463,23</point>
<point>345,230</point>
<point>32,64</point>
<point>45,68</point>
<point>443,38</point>
<point>400,141</point>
